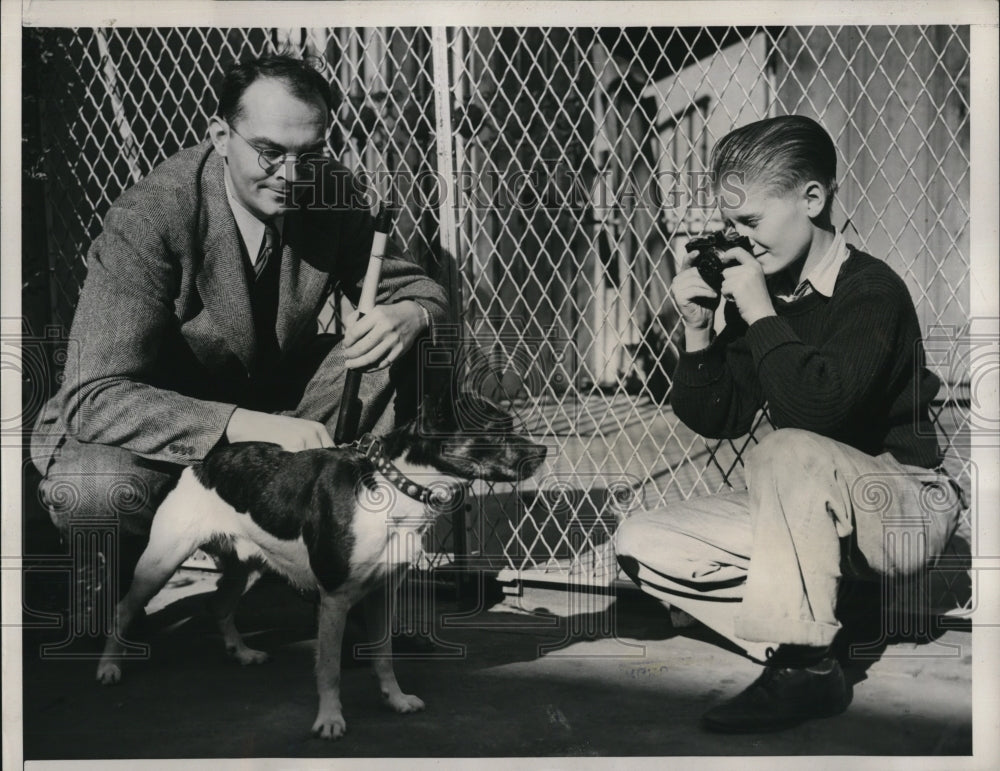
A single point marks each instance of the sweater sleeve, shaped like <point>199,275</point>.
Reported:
<point>820,388</point>
<point>715,391</point>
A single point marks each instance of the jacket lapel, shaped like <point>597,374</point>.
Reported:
<point>302,286</point>
<point>222,281</point>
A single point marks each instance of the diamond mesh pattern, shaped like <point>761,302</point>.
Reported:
<point>130,98</point>
<point>577,154</point>
<point>590,122</point>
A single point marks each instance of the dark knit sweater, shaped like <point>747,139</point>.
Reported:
<point>849,367</point>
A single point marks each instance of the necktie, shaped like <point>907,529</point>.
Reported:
<point>268,245</point>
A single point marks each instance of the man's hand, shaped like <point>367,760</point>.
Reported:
<point>696,302</point>
<point>381,336</point>
<point>746,286</point>
<point>292,434</point>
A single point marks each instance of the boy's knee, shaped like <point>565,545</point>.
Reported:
<point>641,539</point>
<point>650,550</point>
<point>787,448</point>
<point>628,542</point>
<point>629,537</point>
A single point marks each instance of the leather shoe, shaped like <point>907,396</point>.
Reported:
<point>780,698</point>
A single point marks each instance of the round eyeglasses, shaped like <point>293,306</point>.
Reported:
<point>270,159</point>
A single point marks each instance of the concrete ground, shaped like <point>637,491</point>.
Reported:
<point>547,674</point>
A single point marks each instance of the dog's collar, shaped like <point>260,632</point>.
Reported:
<point>439,495</point>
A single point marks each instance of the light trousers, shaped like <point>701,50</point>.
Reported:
<point>763,567</point>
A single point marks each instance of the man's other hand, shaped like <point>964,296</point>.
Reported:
<point>381,336</point>
<point>292,434</point>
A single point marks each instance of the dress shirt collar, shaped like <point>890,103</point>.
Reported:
<point>823,276</point>
<point>251,229</point>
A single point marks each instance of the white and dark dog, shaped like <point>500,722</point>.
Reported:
<point>333,520</point>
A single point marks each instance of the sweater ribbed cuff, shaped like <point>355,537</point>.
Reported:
<point>700,368</point>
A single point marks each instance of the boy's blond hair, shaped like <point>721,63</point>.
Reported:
<point>778,153</point>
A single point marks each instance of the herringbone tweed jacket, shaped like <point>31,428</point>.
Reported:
<point>162,342</point>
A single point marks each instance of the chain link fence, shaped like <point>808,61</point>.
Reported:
<point>550,177</point>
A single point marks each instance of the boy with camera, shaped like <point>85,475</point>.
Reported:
<point>827,338</point>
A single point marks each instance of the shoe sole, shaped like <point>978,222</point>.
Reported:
<point>729,728</point>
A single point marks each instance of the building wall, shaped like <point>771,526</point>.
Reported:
<point>896,102</point>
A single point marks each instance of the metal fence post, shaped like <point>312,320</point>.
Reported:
<point>444,142</point>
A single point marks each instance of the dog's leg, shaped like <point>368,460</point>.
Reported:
<point>223,607</point>
<point>378,607</point>
<point>164,553</point>
<point>333,609</point>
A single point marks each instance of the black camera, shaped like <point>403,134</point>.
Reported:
<point>707,249</point>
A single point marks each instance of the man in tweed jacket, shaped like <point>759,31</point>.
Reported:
<point>197,323</point>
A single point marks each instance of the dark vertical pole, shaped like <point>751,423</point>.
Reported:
<point>350,405</point>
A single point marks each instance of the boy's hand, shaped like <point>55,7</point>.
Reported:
<point>744,284</point>
<point>696,302</point>
<point>695,299</point>
<point>378,338</point>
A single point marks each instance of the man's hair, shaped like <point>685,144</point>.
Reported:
<point>778,153</point>
<point>303,82</point>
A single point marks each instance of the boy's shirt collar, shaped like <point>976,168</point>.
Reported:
<point>823,277</point>
<point>251,229</point>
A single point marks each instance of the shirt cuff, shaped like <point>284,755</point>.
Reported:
<point>427,318</point>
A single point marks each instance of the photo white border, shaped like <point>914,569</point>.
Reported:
<point>985,250</point>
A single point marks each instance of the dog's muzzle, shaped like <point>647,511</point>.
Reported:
<point>530,457</point>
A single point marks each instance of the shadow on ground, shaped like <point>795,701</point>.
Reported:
<point>498,681</point>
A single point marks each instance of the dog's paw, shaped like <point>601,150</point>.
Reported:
<point>330,726</point>
<point>108,673</point>
<point>405,702</point>
<point>248,656</point>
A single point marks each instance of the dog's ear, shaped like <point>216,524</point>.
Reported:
<point>437,408</point>
<point>475,412</point>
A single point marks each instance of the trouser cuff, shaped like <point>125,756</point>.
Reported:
<point>785,630</point>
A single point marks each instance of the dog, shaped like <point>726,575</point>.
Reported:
<point>334,520</point>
